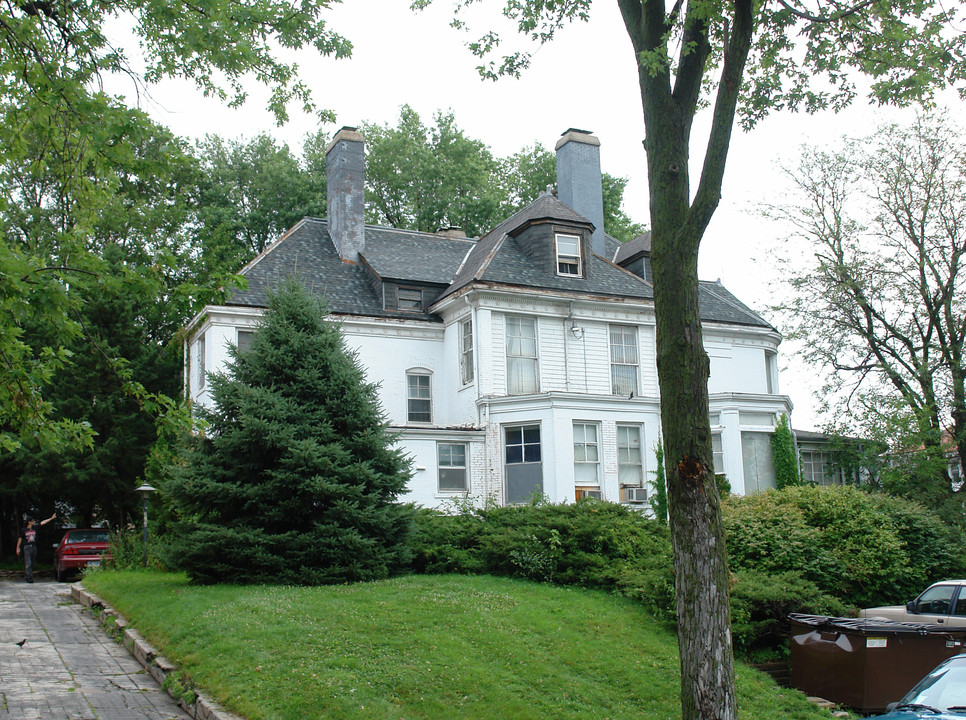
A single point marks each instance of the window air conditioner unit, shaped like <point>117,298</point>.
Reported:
<point>635,494</point>
<point>595,494</point>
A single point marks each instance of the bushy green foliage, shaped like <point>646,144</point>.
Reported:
<point>127,550</point>
<point>760,604</point>
<point>784,455</point>
<point>296,478</point>
<point>863,548</point>
<point>590,543</point>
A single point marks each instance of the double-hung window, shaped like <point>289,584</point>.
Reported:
<point>452,466</point>
<point>409,298</point>
<point>466,351</point>
<point>630,464</point>
<point>202,367</point>
<point>624,359</point>
<point>419,396</point>
<point>586,454</point>
<point>568,254</point>
<point>521,355</point>
<point>717,453</point>
<point>245,339</point>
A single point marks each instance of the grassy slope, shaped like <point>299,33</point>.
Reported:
<point>421,647</point>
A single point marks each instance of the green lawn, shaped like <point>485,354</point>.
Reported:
<point>433,647</point>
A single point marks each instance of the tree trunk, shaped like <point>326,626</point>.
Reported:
<point>700,558</point>
<point>678,222</point>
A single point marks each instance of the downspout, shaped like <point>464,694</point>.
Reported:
<point>485,419</point>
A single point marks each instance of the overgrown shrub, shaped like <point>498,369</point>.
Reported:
<point>590,543</point>
<point>760,605</point>
<point>127,550</point>
<point>863,548</point>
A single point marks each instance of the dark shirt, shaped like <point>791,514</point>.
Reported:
<point>28,536</point>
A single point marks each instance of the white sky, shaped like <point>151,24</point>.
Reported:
<point>586,79</point>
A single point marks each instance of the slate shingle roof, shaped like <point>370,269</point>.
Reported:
<point>308,253</point>
<point>416,257</point>
<point>498,259</point>
<point>719,305</point>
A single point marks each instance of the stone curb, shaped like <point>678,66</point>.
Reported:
<point>203,708</point>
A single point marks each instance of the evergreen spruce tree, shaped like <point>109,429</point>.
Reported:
<point>296,478</point>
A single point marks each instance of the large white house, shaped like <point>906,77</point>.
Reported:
<point>521,362</point>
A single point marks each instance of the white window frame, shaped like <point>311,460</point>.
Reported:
<point>249,334</point>
<point>817,467</point>
<point>569,264</point>
<point>625,359</point>
<point>467,369</point>
<point>521,352</point>
<point>629,456</point>
<point>586,454</point>
<point>200,353</point>
<point>444,462</point>
<point>419,396</point>
<point>717,452</point>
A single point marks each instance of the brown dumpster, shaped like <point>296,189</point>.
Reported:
<point>866,664</point>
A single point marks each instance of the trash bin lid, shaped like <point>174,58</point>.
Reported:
<point>868,625</point>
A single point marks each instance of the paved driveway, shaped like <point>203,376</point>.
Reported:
<point>68,669</point>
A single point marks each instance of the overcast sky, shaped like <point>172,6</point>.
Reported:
<point>585,79</point>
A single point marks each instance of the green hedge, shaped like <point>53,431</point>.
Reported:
<point>861,547</point>
<point>802,549</point>
<point>760,605</point>
<point>590,543</point>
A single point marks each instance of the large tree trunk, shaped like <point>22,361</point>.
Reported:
<point>700,558</point>
<point>678,223</point>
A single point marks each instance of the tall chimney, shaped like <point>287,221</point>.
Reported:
<point>578,179</point>
<point>345,174</point>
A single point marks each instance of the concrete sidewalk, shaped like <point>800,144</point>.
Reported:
<point>68,668</point>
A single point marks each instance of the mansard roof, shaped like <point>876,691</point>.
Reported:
<point>415,257</point>
<point>498,259</point>
<point>449,264</point>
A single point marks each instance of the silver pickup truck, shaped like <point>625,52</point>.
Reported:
<point>943,603</point>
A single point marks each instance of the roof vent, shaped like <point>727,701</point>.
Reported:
<point>452,231</point>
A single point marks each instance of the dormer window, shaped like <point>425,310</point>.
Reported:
<point>405,298</point>
<point>410,298</point>
<point>568,255</point>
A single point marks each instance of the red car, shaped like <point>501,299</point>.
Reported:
<point>79,548</point>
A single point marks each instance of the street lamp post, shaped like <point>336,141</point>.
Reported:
<point>145,490</point>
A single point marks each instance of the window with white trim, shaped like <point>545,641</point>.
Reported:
<point>586,454</point>
<point>624,359</point>
<point>717,453</point>
<point>245,339</point>
<point>202,368</point>
<point>419,397</point>
<point>466,351</point>
<point>521,355</point>
<point>819,468</point>
<point>630,459</point>
<point>452,466</point>
<point>568,254</point>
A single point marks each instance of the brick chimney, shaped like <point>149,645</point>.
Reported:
<point>345,174</point>
<point>579,181</point>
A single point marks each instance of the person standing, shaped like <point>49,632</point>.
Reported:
<point>28,541</point>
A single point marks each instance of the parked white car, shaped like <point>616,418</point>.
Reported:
<point>943,603</point>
